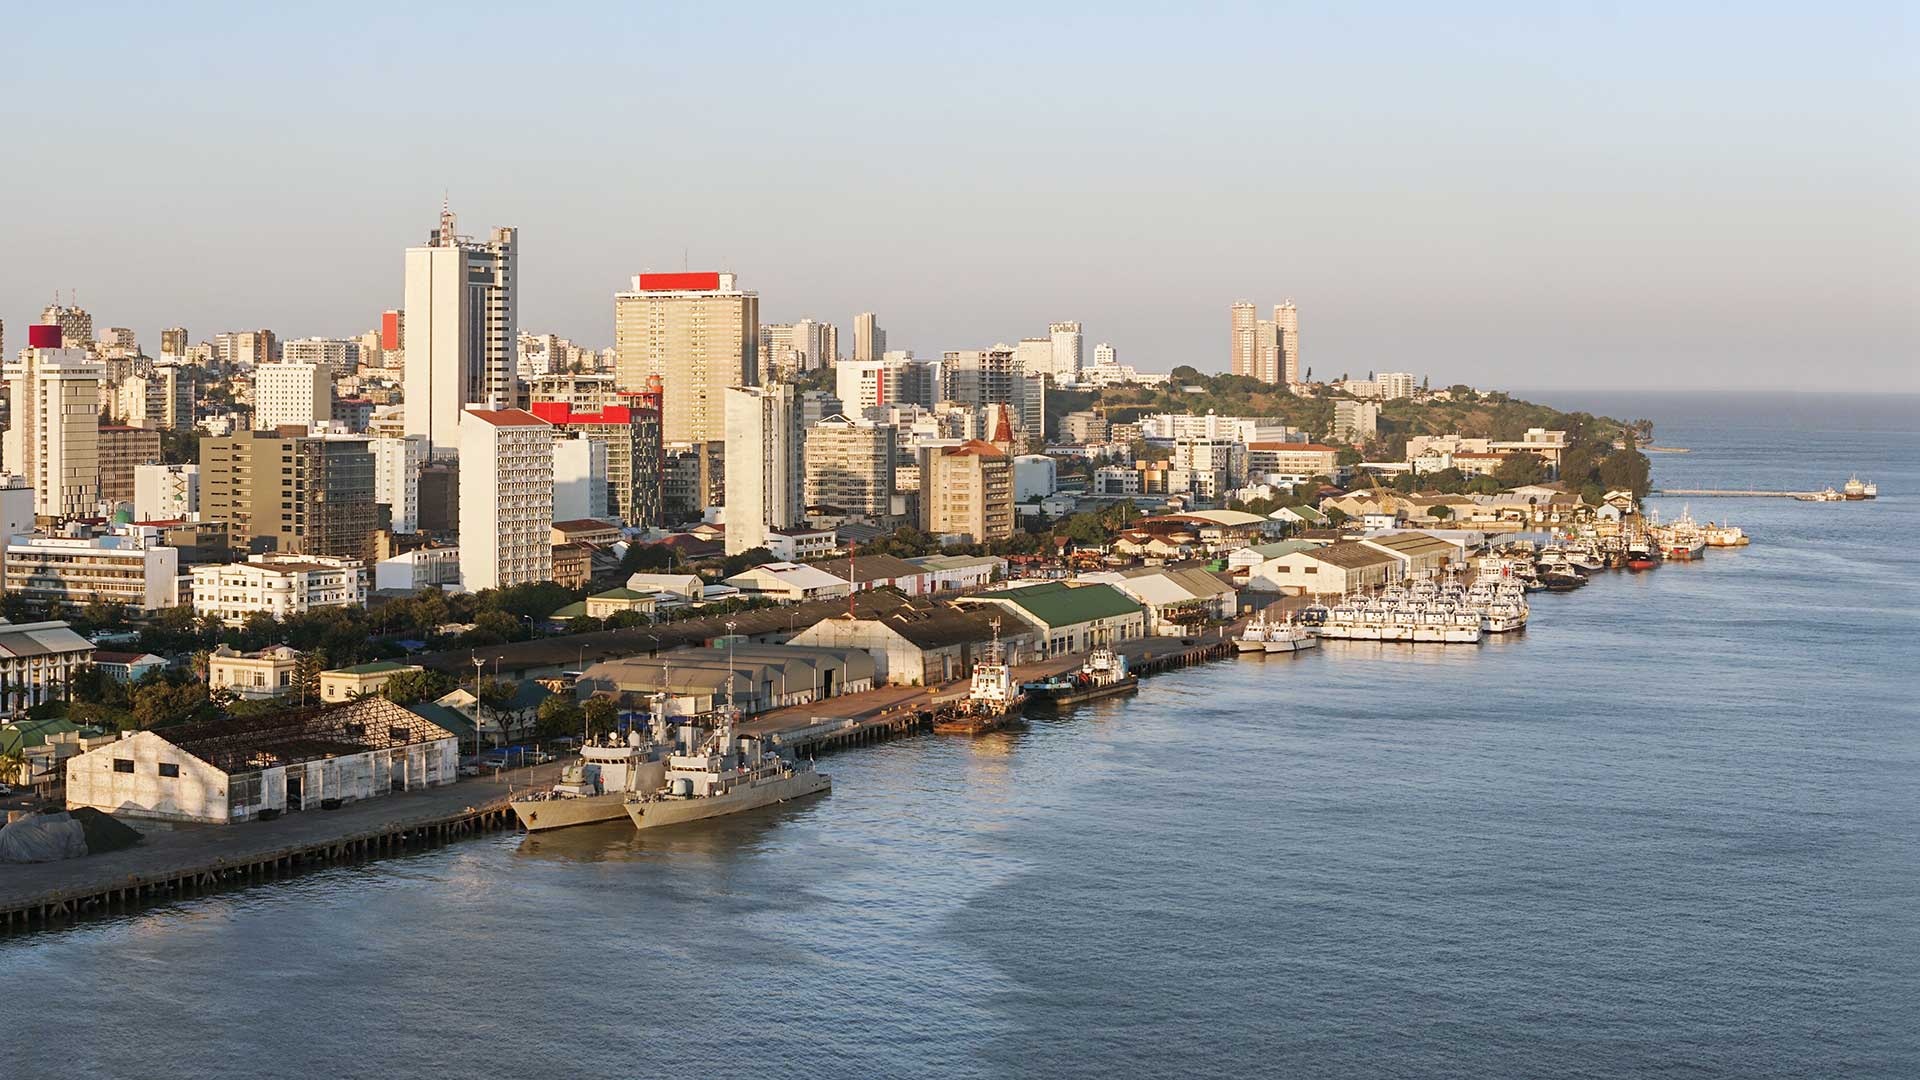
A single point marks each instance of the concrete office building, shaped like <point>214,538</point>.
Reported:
<point>901,380</point>
<point>994,377</point>
<point>277,585</point>
<point>397,464</point>
<point>579,478</point>
<point>298,494</point>
<point>76,325</point>
<point>53,433</point>
<point>292,395</point>
<point>173,342</point>
<point>74,571</point>
<point>849,466</point>
<point>701,334</point>
<point>1355,421</point>
<point>635,458</point>
<point>765,467</point>
<point>506,499</point>
<point>340,356</point>
<point>461,330</point>
<point>121,450</point>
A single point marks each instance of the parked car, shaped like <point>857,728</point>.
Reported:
<point>469,769</point>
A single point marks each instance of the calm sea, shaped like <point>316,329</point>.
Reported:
<point>1670,830</point>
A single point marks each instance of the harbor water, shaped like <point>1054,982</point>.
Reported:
<point>1673,829</point>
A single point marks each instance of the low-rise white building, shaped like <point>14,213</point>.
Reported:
<point>165,492</point>
<point>278,585</point>
<point>253,676</point>
<point>36,662</point>
<point>225,771</point>
<point>790,581</point>
<point>78,570</point>
<point>421,568</point>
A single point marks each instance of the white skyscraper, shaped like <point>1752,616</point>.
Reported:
<point>54,435</point>
<point>396,479</point>
<point>506,498</point>
<point>765,466</point>
<point>296,394</point>
<point>1066,352</point>
<point>461,330</point>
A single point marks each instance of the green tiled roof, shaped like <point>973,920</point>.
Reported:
<point>622,593</point>
<point>1057,604</point>
<point>575,610</point>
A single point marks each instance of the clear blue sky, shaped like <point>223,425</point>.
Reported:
<point>1529,195</point>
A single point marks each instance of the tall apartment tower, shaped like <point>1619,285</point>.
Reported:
<point>765,466</point>
<point>995,377</point>
<point>1266,351</point>
<point>53,395</point>
<point>1286,323</point>
<point>76,325</point>
<point>1246,328</point>
<point>850,467</point>
<point>1067,357</point>
<point>966,490</point>
<point>292,395</point>
<point>506,499</point>
<point>701,334</point>
<point>397,464</point>
<point>461,330</point>
<point>173,342</point>
<point>869,340</point>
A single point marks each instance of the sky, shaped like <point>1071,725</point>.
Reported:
<point>1684,196</point>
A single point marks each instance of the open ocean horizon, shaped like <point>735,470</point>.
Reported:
<point>1669,830</point>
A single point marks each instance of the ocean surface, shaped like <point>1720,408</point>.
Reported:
<point>1673,829</point>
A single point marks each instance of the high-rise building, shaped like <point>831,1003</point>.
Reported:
<point>1034,354</point>
<point>1067,356</point>
<point>173,342</point>
<point>1355,421</point>
<point>817,405</point>
<point>1286,322</point>
<point>1266,351</point>
<point>76,326</point>
<point>53,437</point>
<point>298,494</point>
<point>1396,384</point>
<point>1104,355</point>
<point>634,455</point>
<point>506,498</point>
<point>966,490</point>
<point>814,344</point>
<point>461,330</point>
<point>245,348</point>
<point>693,476</point>
<point>701,334</point>
<point>296,395</point>
<point>1246,323</point>
<point>397,464</point>
<point>849,466</point>
<point>122,449</point>
<point>869,340</point>
<point>994,377</point>
<point>341,356</point>
<point>579,478</point>
<point>119,338</point>
<point>165,492</point>
<point>901,380</point>
<point>765,467</point>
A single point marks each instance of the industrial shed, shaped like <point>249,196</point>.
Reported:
<point>225,771</point>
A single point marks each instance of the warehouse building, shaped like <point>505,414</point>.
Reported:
<point>761,677</point>
<point>226,771</point>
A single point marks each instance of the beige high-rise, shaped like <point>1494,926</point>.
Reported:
<point>968,490</point>
<point>54,437</point>
<point>701,334</point>
<point>1244,341</point>
<point>1286,323</point>
<point>869,340</point>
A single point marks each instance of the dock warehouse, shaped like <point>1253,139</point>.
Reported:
<point>762,676</point>
<point>225,771</point>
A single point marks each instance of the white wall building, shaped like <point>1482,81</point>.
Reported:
<point>165,492</point>
<point>292,394</point>
<point>579,478</point>
<point>278,585</point>
<point>462,330</point>
<point>340,356</point>
<point>506,498</point>
<point>213,774</point>
<point>1034,475</point>
<point>74,571</point>
<point>765,467</point>
<point>396,478</point>
<point>37,660</point>
<point>1067,357</point>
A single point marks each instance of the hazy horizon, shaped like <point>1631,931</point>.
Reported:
<point>1525,198</point>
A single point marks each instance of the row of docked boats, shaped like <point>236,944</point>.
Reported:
<point>1854,490</point>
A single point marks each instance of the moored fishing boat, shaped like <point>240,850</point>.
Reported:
<point>1253,636</point>
<point>1290,636</point>
<point>1104,674</point>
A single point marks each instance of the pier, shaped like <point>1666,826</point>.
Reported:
<point>174,861</point>
<point>1719,493</point>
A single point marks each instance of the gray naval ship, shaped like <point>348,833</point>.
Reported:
<point>718,773</point>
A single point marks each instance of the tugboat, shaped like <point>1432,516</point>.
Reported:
<point>1103,675</point>
<point>721,774</point>
<point>991,701</point>
<point>1640,553</point>
<point>595,788</point>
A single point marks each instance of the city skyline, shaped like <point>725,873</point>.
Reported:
<point>1527,187</point>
